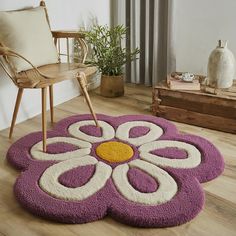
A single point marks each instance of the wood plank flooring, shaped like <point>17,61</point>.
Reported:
<point>218,217</point>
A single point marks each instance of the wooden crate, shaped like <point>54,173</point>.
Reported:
<point>198,108</point>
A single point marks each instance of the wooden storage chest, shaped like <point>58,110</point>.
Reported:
<point>198,108</point>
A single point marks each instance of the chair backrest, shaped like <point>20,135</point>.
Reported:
<point>43,4</point>
<point>5,63</point>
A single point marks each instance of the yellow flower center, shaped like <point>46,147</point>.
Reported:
<point>113,151</point>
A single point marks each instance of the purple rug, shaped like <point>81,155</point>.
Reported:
<point>137,169</point>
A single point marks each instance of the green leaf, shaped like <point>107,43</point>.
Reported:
<point>108,54</point>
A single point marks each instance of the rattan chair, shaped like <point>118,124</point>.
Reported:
<point>46,76</point>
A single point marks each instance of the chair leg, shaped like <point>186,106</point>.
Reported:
<point>16,109</point>
<point>44,118</point>
<point>51,103</point>
<point>82,81</point>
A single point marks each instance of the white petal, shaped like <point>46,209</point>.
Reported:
<point>49,180</point>
<point>37,153</point>
<point>165,192</point>
<point>108,131</point>
<point>193,159</point>
<point>123,130</point>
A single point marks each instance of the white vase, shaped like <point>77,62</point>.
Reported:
<point>221,67</point>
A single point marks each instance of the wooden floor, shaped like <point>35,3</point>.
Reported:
<point>217,218</point>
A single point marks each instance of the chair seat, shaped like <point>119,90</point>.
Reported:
<point>56,73</point>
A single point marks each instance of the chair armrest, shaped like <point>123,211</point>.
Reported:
<point>68,34</point>
<point>7,52</point>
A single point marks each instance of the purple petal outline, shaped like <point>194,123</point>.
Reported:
<point>184,206</point>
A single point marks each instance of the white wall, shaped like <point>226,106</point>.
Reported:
<point>199,25</point>
<point>64,14</point>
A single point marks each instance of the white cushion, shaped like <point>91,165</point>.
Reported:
<point>27,32</point>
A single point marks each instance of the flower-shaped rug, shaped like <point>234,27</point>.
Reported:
<point>137,169</point>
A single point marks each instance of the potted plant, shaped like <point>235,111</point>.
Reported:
<point>110,56</point>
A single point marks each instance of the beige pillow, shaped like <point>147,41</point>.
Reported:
<point>27,32</point>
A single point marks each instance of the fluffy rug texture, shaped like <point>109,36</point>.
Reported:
<point>137,169</point>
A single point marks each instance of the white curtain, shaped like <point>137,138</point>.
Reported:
<point>151,28</point>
